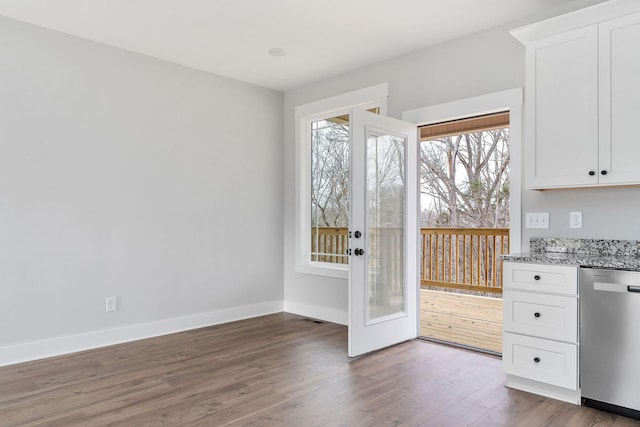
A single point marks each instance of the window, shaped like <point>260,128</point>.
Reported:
<point>330,189</point>
<point>322,175</point>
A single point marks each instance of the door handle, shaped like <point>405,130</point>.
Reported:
<point>635,289</point>
<point>358,251</point>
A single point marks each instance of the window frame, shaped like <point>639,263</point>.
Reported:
<point>366,98</point>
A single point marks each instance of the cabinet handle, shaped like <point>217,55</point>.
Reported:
<point>536,359</point>
<point>603,172</point>
<point>536,277</point>
<point>591,173</point>
<point>536,314</point>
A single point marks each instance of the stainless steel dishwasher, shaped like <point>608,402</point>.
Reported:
<point>610,340</point>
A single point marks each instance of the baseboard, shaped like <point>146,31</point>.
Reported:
<point>547,390</point>
<point>19,353</point>
<point>317,312</point>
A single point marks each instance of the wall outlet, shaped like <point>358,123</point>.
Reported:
<point>575,219</point>
<point>537,220</point>
<point>112,304</point>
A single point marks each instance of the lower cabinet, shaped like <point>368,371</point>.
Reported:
<point>540,321</point>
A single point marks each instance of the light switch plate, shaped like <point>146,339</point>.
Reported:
<point>537,220</point>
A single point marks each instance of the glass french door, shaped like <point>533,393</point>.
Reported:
<point>383,283</point>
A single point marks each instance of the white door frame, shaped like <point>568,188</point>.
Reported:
<point>490,103</point>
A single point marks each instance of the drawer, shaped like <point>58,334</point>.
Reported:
<point>557,279</point>
<point>541,360</point>
<point>544,316</point>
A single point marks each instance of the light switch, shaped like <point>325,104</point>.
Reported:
<point>537,220</point>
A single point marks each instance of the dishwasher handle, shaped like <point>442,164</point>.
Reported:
<point>615,287</point>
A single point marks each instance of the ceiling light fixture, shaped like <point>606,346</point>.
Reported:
<point>277,51</point>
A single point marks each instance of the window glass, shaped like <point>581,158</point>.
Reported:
<point>330,189</point>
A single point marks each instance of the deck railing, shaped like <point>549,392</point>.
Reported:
<point>464,258</point>
<point>330,245</point>
<point>458,258</point>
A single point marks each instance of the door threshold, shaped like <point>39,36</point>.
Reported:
<point>462,346</point>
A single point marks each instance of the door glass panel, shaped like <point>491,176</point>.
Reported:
<point>385,222</point>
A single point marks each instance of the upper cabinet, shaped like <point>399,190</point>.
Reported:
<point>619,90</point>
<point>583,97</point>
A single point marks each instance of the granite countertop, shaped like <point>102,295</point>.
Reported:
<point>613,254</point>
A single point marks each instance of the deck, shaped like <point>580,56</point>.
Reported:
<point>465,319</point>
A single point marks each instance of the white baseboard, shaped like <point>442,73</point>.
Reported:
<point>19,353</point>
<point>547,390</point>
<point>317,312</point>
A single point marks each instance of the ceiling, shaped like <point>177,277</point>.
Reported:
<point>232,37</point>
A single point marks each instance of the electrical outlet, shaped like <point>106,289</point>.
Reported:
<point>537,220</point>
<point>112,304</point>
<point>575,219</point>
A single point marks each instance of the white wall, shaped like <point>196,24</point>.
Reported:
<point>483,63</point>
<point>124,175</point>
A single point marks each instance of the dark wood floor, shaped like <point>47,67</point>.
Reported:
<point>278,370</point>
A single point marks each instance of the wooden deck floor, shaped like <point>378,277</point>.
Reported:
<point>464,319</point>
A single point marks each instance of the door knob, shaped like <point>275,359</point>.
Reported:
<point>359,251</point>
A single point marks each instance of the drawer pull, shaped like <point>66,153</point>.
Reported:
<point>536,359</point>
<point>536,314</point>
<point>536,277</point>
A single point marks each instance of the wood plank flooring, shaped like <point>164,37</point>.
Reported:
<point>277,370</point>
<point>460,318</point>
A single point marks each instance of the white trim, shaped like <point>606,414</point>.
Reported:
<point>327,314</point>
<point>573,20</point>
<point>547,390</point>
<point>345,100</point>
<point>499,101</point>
<point>489,103</point>
<point>73,343</point>
<point>373,96</point>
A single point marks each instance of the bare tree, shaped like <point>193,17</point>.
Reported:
<point>330,174</point>
<point>467,178</point>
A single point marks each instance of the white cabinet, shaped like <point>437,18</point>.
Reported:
<point>582,98</point>
<point>562,109</point>
<point>619,48</point>
<point>540,322</point>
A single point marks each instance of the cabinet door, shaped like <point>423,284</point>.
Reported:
<point>620,100</point>
<point>562,110</point>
